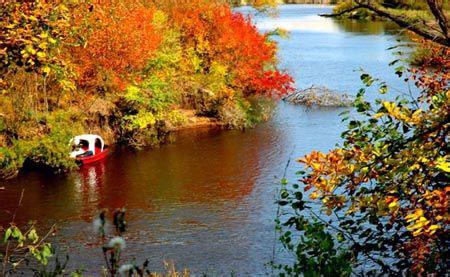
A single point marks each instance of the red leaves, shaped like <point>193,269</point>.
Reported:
<point>119,39</point>
<point>273,83</point>
<point>217,34</point>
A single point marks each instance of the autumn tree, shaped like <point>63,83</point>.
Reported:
<point>117,38</point>
<point>218,35</point>
<point>31,36</point>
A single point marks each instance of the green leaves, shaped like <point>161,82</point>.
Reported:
<point>400,70</point>
<point>383,189</point>
<point>33,236</point>
<point>383,88</point>
<point>29,240</point>
<point>14,233</point>
<point>7,234</point>
<point>42,253</point>
<point>367,79</point>
<point>315,250</point>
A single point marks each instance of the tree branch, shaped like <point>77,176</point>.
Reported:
<point>340,13</point>
<point>436,10</point>
<point>439,15</point>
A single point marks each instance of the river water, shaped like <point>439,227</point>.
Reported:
<point>207,201</point>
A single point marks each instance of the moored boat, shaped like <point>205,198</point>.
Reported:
<point>88,148</point>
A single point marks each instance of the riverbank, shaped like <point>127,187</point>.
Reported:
<point>68,75</point>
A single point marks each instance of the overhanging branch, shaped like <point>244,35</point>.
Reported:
<point>441,38</point>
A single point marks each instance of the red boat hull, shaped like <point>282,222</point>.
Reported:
<point>94,158</point>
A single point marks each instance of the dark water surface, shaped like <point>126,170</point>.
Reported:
<point>207,201</point>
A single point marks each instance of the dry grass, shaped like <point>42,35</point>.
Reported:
<point>171,271</point>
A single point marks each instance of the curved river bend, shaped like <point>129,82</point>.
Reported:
<point>207,201</point>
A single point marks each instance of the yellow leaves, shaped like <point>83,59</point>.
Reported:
<point>443,163</point>
<point>46,70</point>
<point>41,55</point>
<point>30,50</point>
<point>412,217</point>
<point>416,117</point>
<point>43,45</point>
<point>401,113</point>
<point>159,18</point>
<point>141,120</point>
<point>261,4</point>
<point>393,204</point>
<point>378,115</point>
<point>327,172</point>
<point>390,107</point>
<point>315,166</point>
<point>420,224</point>
<point>432,229</point>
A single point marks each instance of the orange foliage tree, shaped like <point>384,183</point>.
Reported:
<point>117,39</point>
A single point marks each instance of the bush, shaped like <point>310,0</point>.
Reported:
<point>50,147</point>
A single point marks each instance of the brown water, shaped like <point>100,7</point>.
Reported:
<point>207,201</point>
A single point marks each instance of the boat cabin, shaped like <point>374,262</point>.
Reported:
<point>88,148</point>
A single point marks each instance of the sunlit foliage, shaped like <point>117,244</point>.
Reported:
<point>31,35</point>
<point>117,39</point>
<point>217,36</point>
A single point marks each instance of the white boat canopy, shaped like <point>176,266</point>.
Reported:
<point>92,141</point>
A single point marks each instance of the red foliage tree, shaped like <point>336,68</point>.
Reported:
<point>219,34</point>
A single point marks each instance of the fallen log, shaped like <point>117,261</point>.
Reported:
<point>320,96</point>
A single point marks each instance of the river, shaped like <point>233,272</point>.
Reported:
<point>207,201</point>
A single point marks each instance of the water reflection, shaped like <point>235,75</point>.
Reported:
<point>311,24</point>
<point>366,27</point>
<point>89,184</point>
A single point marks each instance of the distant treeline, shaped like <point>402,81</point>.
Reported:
<point>244,2</point>
<point>310,1</point>
<point>415,4</point>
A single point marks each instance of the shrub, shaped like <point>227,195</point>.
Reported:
<point>50,147</point>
